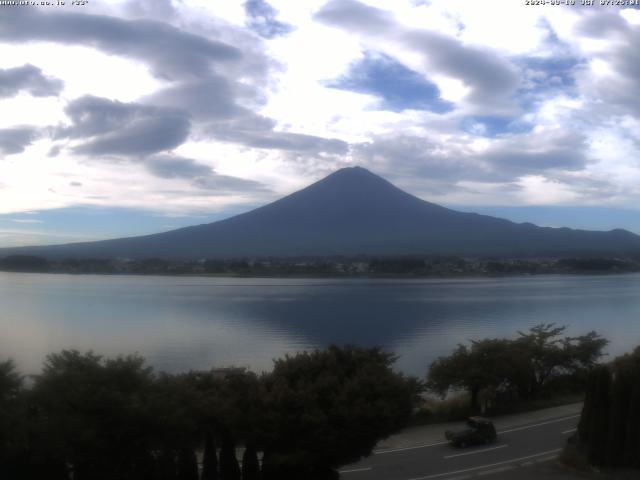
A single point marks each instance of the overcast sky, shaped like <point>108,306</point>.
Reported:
<point>129,117</point>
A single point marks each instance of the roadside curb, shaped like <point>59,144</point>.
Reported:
<point>431,435</point>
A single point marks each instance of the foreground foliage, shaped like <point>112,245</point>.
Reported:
<point>498,371</point>
<point>609,428</point>
<point>89,417</point>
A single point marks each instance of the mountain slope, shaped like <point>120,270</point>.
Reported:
<point>351,212</point>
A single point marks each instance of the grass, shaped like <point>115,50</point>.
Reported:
<point>455,407</point>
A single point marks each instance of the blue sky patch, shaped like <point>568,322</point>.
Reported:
<point>398,87</point>
<point>261,18</point>
<point>492,126</point>
<point>73,224</point>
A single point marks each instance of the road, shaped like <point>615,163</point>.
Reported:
<point>517,446</point>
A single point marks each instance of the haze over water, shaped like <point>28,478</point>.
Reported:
<point>181,323</point>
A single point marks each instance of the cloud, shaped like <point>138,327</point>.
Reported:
<point>262,19</point>
<point>172,53</point>
<point>492,126</point>
<point>16,139</point>
<point>504,160</point>
<point>108,127</point>
<point>351,14</point>
<point>202,176</point>
<point>29,79</point>
<point>527,154</point>
<point>155,9</point>
<point>166,166</point>
<point>492,79</point>
<point>211,98</point>
<point>270,140</point>
<point>398,87</point>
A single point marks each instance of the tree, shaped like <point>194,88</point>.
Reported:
<point>210,458</point>
<point>92,413</point>
<point>487,364</point>
<point>609,431</point>
<point>11,419</point>
<point>327,408</point>
<point>250,464</point>
<point>229,468</point>
<point>524,365</point>
<point>187,464</point>
<point>549,354</point>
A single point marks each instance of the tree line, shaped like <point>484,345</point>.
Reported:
<point>90,417</point>
<point>609,429</point>
<point>500,372</point>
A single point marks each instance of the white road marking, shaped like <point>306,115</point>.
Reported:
<point>497,470</point>
<point>380,452</point>
<point>476,451</point>
<point>571,430</point>
<point>354,470</point>
<point>517,429</point>
<point>545,459</point>
<point>482,467</point>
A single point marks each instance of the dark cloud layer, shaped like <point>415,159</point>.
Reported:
<point>505,160</point>
<point>28,79</point>
<point>171,53</point>
<point>206,89</point>
<point>201,176</point>
<point>115,128</point>
<point>16,139</point>
<point>167,166</point>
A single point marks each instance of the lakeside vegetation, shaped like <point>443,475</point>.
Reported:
<point>362,266</point>
<point>89,417</point>
<point>501,375</point>
<point>608,435</point>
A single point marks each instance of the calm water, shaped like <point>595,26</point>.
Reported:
<point>180,323</point>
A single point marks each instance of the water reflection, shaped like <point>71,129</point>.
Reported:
<point>182,323</point>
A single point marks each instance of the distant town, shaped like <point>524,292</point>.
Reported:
<point>327,267</point>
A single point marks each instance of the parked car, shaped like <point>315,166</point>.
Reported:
<point>480,431</point>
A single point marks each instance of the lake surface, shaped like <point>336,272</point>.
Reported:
<point>179,323</point>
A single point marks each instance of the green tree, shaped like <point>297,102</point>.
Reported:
<point>210,458</point>
<point>491,363</point>
<point>549,354</point>
<point>524,365</point>
<point>229,468</point>
<point>250,464</point>
<point>12,426</point>
<point>327,408</point>
<point>92,413</point>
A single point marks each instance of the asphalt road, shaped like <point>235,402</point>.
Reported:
<point>516,447</point>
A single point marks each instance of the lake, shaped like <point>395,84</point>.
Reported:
<point>180,323</point>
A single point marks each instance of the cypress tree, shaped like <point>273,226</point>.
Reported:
<point>187,464</point>
<point>584,424</point>
<point>632,438</point>
<point>229,468</point>
<point>167,467</point>
<point>250,464</point>
<point>618,415</point>
<point>598,434</point>
<point>210,458</point>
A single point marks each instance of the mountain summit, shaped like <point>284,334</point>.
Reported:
<point>351,212</point>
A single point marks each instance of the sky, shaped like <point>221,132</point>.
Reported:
<point>127,117</point>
